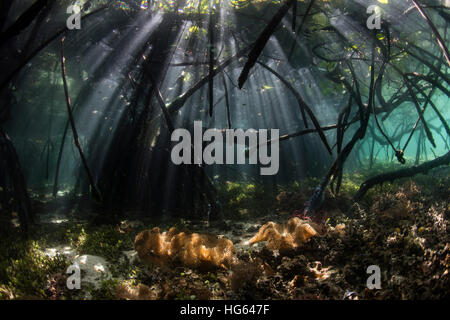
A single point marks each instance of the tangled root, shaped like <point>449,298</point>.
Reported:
<point>203,251</point>
<point>289,235</point>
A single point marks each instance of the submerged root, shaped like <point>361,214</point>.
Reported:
<point>289,235</point>
<point>203,251</point>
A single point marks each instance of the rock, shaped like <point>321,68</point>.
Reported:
<point>93,268</point>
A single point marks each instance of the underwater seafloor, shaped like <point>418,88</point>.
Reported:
<point>98,202</point>
<point>401,227</point>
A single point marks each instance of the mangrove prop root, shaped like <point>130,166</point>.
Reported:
<point>341,124</point>
<point>260,43</point>
<point>402,173</point>
<point>303,106</point>
<point>300,101</point>
<point>422,118</point>
<point>23,21</point>
<point>334,172</point>
<point>211,62</point>
<point>294,15</point>
<point>227,101</point>
<point>294,43</point>
<point>14,171</point>
<point>209,192</point>
<point>161,104</point>
<point>58,162</point>
<point>179,102</point>
<point>95,192</point>
<point>47,42</point>
<point>439,39</point>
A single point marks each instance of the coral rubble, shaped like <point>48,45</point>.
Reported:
<point>393,206</point>
<point>139,292</point>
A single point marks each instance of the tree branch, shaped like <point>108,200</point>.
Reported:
<point>303,107</point>
<point>260,43</point>
<point>402,173</point>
